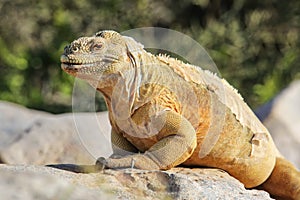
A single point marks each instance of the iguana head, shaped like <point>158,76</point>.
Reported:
<point>107,52</point>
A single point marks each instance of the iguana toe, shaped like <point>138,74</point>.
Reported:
<point>101,163</point>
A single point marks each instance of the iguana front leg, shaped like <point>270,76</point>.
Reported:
<point>177,141</point>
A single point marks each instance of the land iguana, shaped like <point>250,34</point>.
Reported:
<point>166,113</point>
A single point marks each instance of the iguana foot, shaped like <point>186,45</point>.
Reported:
<point>101,162</point>
<point>138,161</point>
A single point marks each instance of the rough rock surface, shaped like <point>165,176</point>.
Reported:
<point>33,137</point>
<point>37,182</point>
<point>282,118</point>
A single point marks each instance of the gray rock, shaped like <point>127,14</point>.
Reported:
<point>283,121</point>
<point>36,182</point>
<point>33,137</point>
<point>14,120</point>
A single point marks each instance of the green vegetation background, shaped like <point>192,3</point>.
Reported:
<point>255,44</point>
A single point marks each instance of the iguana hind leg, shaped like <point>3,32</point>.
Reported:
<point>284,181</point>
<point>121,146</point>
<point>177,141</point>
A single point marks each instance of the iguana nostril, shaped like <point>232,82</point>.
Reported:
<point>67,49</point>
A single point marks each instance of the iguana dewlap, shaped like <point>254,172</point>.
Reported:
<point>164,113</point>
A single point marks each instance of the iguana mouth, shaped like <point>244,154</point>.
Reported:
<point>67,65</point>
<point>74,64</point>
<point>67,61</point>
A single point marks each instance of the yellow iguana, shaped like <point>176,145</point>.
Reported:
<point>166,113</point>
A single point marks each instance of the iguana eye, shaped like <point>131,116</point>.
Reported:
<point>75,48</point>
<point>97,46</point>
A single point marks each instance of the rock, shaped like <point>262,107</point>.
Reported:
<point>14,120</point>
<point>33,137</point>
<point>282,118</point>
<point>33,182</point>
<point>37,182</point>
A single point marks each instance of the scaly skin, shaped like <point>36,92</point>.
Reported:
<point>164,113</point>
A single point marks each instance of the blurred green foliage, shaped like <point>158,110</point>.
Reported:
<point>255,44</point>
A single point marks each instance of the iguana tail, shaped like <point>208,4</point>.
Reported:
<point>284,182</point>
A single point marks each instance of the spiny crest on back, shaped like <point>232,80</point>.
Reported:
<point>192,72</point>
<point>170,60</point>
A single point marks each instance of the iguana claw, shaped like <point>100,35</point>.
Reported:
<point>101,163</point>
<point>132,163</point>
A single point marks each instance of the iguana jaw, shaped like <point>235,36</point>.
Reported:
<point>85,65</point>
<point>74,66</point>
